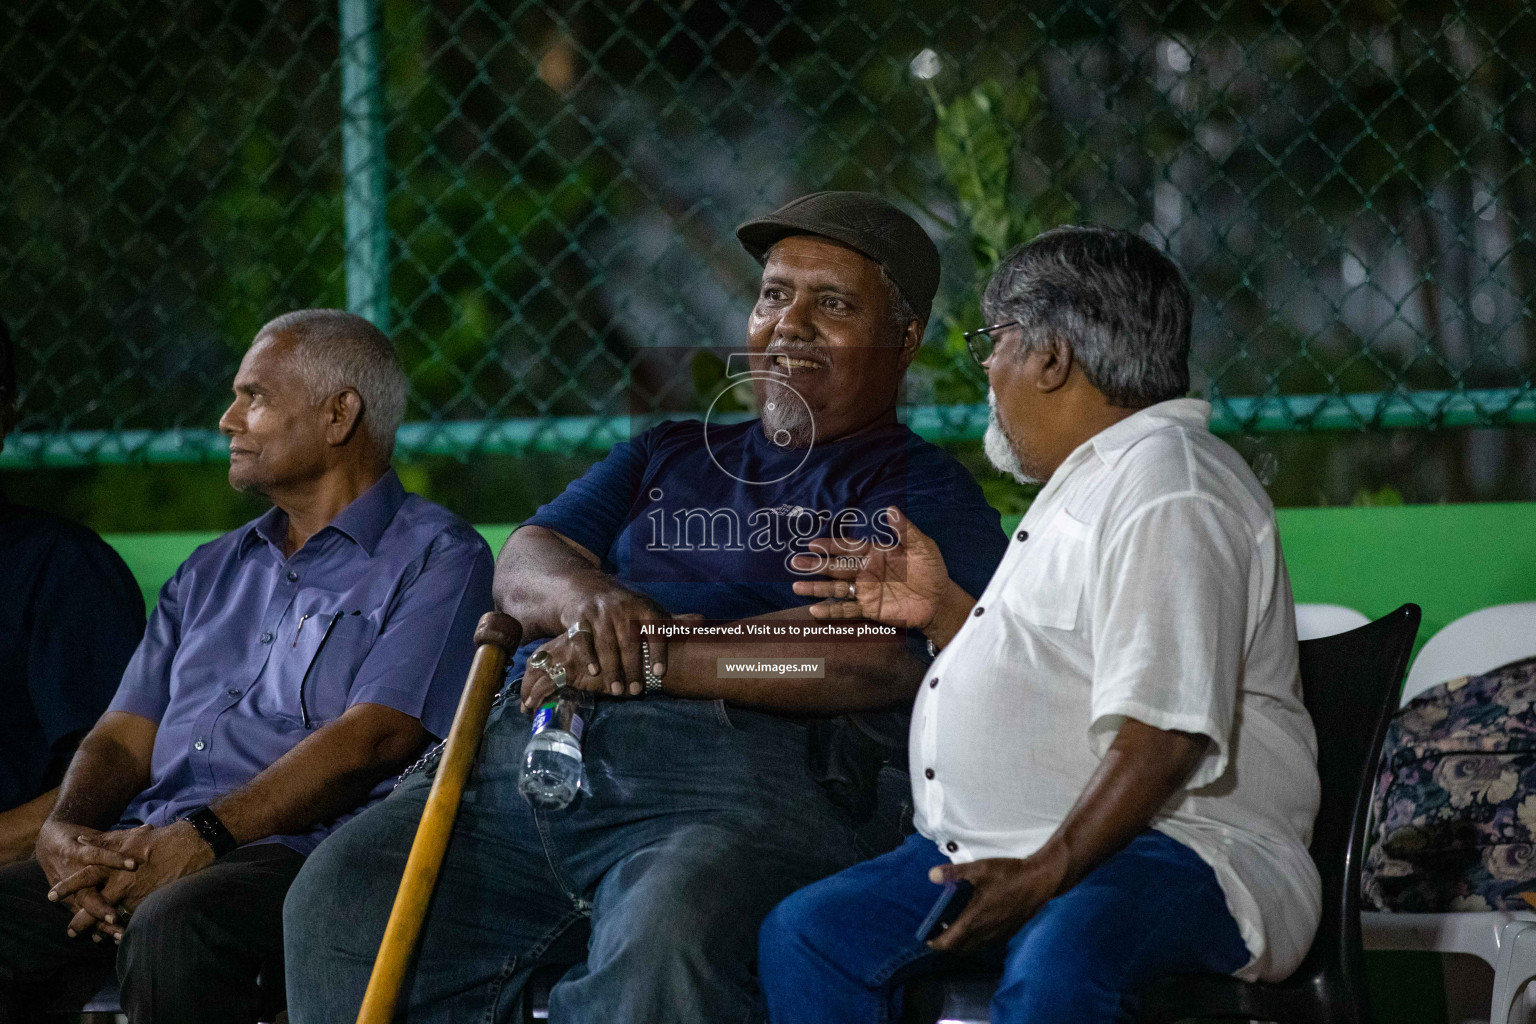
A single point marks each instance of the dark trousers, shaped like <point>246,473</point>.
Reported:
<point>694,822</point>
<point>843,949</point>
<point>191,951</point>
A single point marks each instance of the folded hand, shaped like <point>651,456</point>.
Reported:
<point>83,857</point>
<point>162,856</point>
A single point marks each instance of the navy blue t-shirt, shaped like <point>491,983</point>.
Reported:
<point>70,618</point>
<point>706,521</point>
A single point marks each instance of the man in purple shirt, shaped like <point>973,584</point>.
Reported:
<point>290,670</point>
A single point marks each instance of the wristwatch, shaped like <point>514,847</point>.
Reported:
<point>213,831</point>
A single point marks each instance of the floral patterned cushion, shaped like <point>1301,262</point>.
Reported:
<point>1454,821</point>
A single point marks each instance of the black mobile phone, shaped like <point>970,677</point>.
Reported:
<point>952,900</point>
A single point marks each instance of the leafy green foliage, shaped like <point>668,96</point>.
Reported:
<point>977,135</point>
<point>974,137</point>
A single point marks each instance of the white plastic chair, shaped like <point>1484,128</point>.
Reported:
<point>1474,644</point>
<point>1317,620</point>
<point>1505,940</point>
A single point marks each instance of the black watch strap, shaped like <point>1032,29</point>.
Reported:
<point>213,831</point>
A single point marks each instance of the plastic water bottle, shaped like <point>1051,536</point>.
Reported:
<point>552,774</point>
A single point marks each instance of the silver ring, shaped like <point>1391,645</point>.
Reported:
<point>540,659</point>
<point>853,594</point>
<point>577,627</point>
<point>556,675</point>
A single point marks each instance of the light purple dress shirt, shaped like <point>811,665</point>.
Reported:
<point>248,652</point>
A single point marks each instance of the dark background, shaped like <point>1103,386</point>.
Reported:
<point>1348,186</point>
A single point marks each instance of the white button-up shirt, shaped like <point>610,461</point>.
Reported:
<point>1145,582</point>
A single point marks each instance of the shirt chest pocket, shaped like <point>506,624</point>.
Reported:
<point>1046,585</point>
<point>310,674</point>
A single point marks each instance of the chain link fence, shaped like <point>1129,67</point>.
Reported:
<point>527,192</point>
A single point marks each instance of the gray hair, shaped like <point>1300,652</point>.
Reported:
<point>334,350</point>
<point>1122,306</point>
<point>898,311</point>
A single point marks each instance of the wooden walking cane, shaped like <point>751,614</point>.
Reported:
<point>496,637</point>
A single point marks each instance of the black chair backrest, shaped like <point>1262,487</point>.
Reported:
<point>1350,685</point>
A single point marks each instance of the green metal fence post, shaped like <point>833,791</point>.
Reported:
<point>364,163</point>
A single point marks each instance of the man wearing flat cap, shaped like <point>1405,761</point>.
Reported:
<point>710,793</point>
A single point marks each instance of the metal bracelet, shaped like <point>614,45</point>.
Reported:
<point>652,680</point>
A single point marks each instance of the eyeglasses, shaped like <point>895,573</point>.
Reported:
<point>980,342</point>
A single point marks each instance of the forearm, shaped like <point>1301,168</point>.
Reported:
<point>1143,768</point>
<point>325,776</point>
<point>536,574</point>
<point>109,770</point>
<point>857,675</point>
<point>19,827</point>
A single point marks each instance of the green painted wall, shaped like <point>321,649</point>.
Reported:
<point>1450,559</point>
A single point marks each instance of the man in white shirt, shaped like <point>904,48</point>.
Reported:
<point>1111,749</point>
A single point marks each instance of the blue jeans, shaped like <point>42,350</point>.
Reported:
<point>842,949</point>
<point>651,886</point>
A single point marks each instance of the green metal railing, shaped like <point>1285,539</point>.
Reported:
<point>938,423</point>
<point>526,193</point>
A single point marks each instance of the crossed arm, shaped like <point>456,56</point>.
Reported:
<point>550,582</point>
<point>99,874</point>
